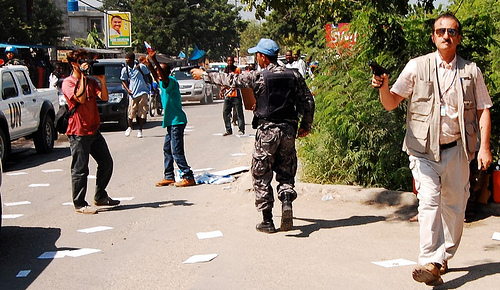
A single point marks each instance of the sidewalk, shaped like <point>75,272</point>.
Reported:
<point>344,230</point>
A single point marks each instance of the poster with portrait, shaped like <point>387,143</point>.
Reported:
<point>118,29</point>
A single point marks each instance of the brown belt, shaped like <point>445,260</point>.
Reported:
<point>448,146</point>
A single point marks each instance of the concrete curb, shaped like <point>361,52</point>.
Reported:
<point>344,193</point>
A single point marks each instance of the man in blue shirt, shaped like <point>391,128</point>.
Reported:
<point>133,77</point>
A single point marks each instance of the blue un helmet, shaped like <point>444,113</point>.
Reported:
<point>11,49</point>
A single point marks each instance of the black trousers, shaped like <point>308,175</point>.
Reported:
<point>81,148</point>
<point>229,103</point>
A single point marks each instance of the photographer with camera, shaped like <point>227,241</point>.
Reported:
<point>83,132</point>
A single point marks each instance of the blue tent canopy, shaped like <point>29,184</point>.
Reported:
<point>197,53</point>
<point>4,45</point>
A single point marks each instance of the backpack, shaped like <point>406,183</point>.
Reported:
<point>62,118</point>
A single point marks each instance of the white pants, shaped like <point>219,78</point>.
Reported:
<point>443,190</point>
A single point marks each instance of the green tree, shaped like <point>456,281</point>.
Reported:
<point>92,40</point>
<point>480,18</point>
<point>250,37</point>
<point>358,141</point>
<point>20,24</point>
<point>177,25</point>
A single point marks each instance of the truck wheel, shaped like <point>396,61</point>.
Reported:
<point>44,137</point>
<point>3,146</point>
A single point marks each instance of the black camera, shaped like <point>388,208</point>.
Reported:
<point>90,70</point>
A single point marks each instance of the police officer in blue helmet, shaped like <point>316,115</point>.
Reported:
<point>283,111</point>
<point>12,53</point>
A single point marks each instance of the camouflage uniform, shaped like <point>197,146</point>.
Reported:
<point>274,140</point>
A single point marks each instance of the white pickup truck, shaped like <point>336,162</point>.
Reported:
<point>25,111</point>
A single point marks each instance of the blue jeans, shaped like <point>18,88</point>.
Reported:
<point>173,150</point>
<point>81,147</point>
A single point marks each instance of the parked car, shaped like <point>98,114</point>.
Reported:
<point>25,111</point>
<point>116,108</point>
<point>1,173</point>
<point>191,89</point>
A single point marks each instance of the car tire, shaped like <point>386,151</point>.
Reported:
<point>203,101</point>
<point>3,146</point>
<point>123,122</point>
<point>44,137</point>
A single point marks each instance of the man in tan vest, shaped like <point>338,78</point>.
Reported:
<point>448,103</point>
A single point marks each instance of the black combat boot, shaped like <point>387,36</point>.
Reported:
<point>286,213</point>
<point>267,225</point>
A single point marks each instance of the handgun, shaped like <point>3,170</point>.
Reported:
<point>377,69</point>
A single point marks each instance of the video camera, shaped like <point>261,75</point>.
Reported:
<point>92,70</point>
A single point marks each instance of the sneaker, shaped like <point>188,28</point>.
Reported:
<point>86,210</point>
<point>185,182</point>
<point>107,201</point>
<point>139,134</point>
<point>266,227</point>
<point>286,216</point>
<point>128,131</point>
<point>227,133</point>
<point>165,182</point>
<point>428,274</point>
<point>241,132</point>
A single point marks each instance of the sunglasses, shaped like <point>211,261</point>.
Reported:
<point>442,31</point>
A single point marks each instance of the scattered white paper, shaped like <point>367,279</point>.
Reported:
<point>60,159</point>
<point>53,255</point>
<point>39,185</point>
<point>203,169</point>
<point>15,173</point>
<point>394,263</point>
<point>238,154</point>
<point>23,273</point>
<point>11,216</point>
<point>69,253</point>
<point>231,170</point>
<point>52,170</point>
<point>189,127</point>
<point>188,130</point>
<point>226,187</point>
<point>95,229</point>
<point>209,235</point>
<point>200,258</point>
<point>81,252</point>
<point>217,134</point>
<point>17,203</point>
<point>327,197</point>
<point>67,203</point>
<point>91,176</point>
<point>124,198</point>
<point>496,236</point>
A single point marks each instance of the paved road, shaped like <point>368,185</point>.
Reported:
<point>339,231</point>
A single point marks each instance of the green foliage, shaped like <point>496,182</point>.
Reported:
<point>43,25</point>
<point>250,37</point>
<point>92,40</point>
<point>480,43</point>
<point>177,25</point>
<point>354,140</point>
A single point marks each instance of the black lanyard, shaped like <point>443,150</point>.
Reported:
<point>437,77</point>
